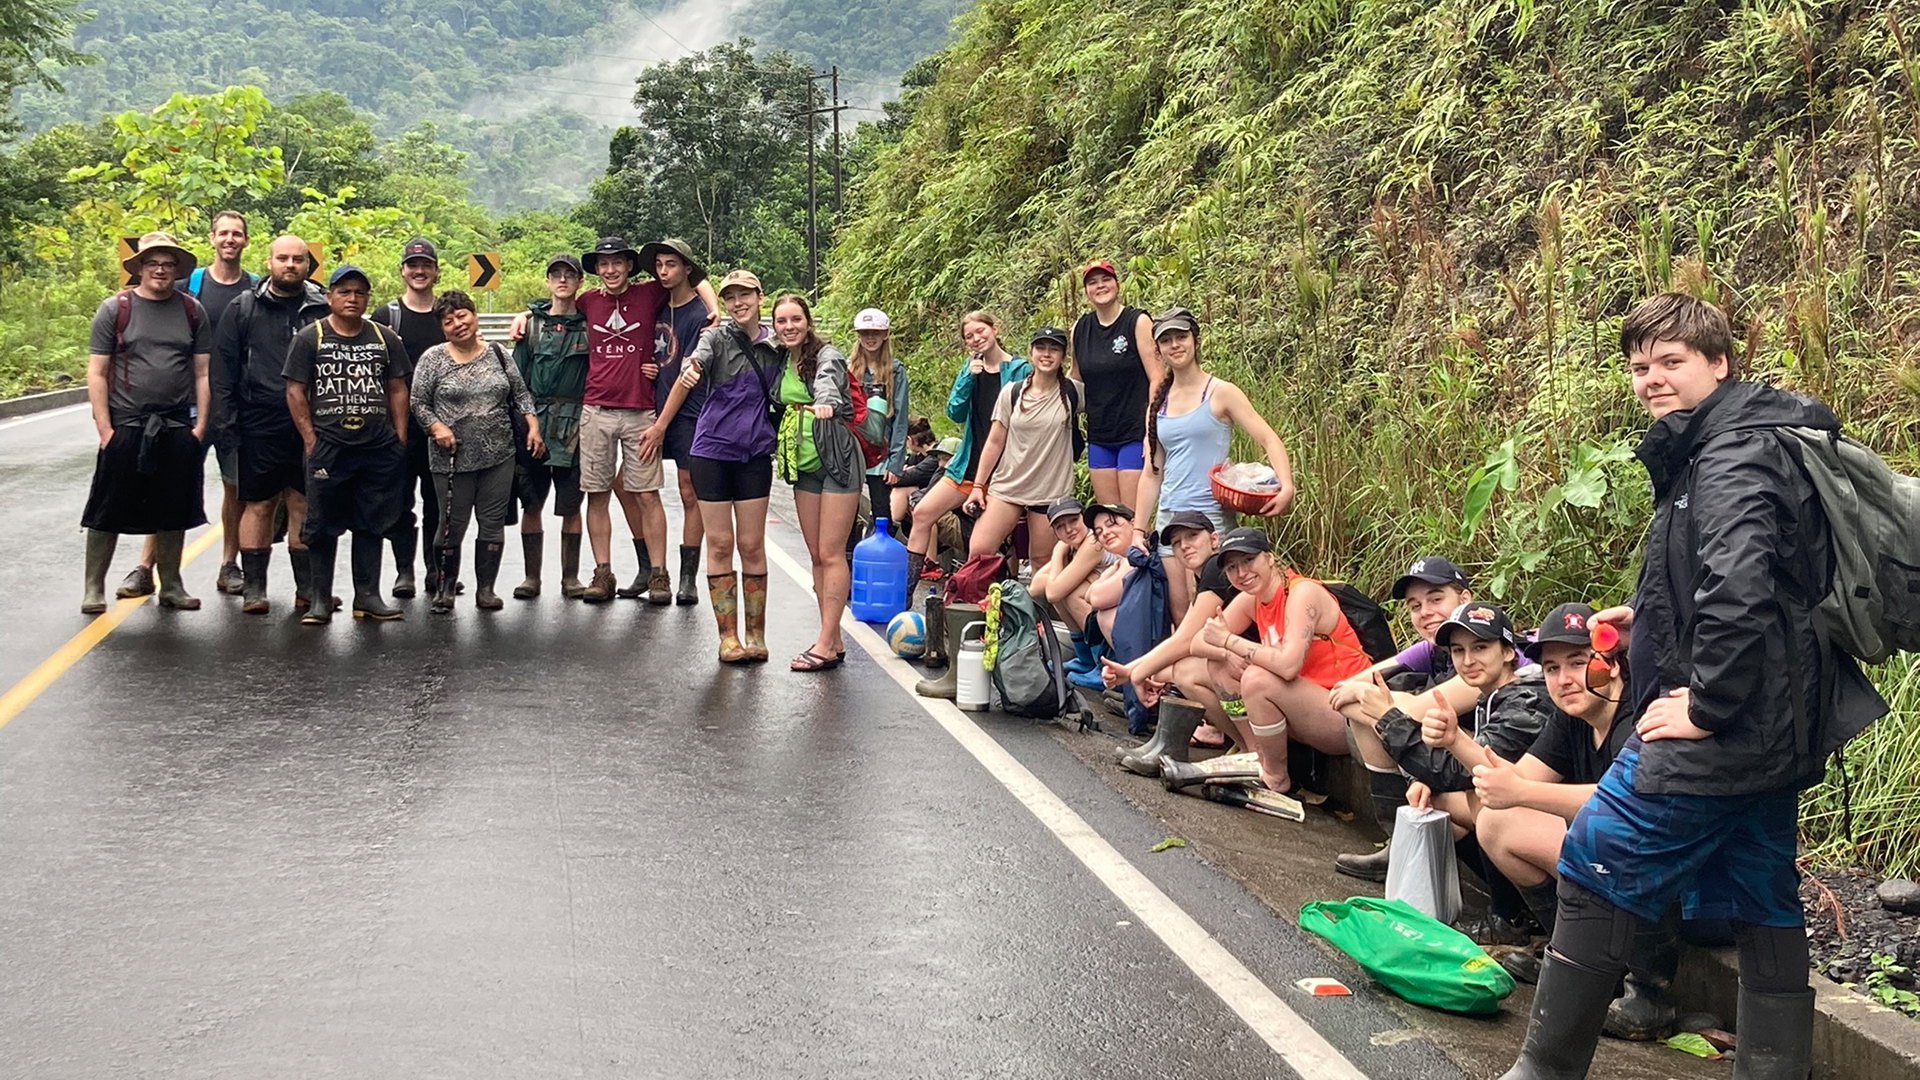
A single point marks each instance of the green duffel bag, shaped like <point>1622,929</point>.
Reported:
<point>1411,953</point>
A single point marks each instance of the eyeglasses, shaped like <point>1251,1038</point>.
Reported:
<point>159,264</point>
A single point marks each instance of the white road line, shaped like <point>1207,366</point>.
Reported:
<point>62,411</point>
<point>1297,1043</point>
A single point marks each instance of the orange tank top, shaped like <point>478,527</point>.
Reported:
<point>1331,658</point>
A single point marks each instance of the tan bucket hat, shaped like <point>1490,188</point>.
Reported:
<point>159,241</point>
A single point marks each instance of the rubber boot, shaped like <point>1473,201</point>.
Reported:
<point>363,562</point>
<point>641,579</point>
<point>406,545</point>
<point>954,618</point>
<point>533,548</point>
<point>93,589</point>
<point>1083,658</point>
<point>570,586</point>
<point>166,563</point>
<point>1174,731</point>
<point>1644,1011</point>
<point>915,564</point>
<point>486,571</point>
<point>301,560</point>
<point>324,553</point>
<point>935,654</point>
<point>446,570</point>
<point>723,590</point>
<point>689,567</point>
<point>1776,1036</point>
<point>1568,1008</point>
<point>253,588</point>
<point>753,589</point>
<point>1389,791</point>
<point>1090,679</point>
<point>1543,900</point>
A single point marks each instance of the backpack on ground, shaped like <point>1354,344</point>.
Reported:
<point>1028,670</point>
<point>869,426</point>
<point>1873,609</point>
<point>1364,614</point>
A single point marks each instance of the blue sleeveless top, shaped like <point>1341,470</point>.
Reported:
<point>1194,442</point>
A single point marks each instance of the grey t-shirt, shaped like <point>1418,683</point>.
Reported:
<point>154,371</point>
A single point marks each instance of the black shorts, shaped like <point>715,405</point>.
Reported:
<point>677,446</point>
<point>358,488</point>
<point>732,481</point>
<point>270,463</point>
<point>533,481</point>
<point>167,496</point>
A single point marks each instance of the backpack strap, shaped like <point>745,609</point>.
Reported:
<point>196,279</point>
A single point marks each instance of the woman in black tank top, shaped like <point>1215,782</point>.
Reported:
<point>1114,357</point>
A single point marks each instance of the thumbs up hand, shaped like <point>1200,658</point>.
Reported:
<point>1498,783</point>
<point>1441,725</point>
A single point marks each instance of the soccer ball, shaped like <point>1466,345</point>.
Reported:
<point>907,634</point>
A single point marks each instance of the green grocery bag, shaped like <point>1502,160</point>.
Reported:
<point>1411,953</point>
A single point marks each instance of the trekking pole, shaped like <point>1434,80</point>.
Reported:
<point>446,520</point>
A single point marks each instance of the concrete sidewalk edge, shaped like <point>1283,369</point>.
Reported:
<point>28,404</point>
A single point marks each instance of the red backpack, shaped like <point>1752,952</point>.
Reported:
<point>869,428</point>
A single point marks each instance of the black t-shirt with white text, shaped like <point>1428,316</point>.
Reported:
<point>1565,745</point>
<point>346,380</point>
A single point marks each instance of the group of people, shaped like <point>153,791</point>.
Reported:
<point>1595,787</point>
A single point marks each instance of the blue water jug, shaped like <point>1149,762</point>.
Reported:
<point>880,585</point>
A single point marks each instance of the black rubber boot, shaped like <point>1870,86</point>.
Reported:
<point>638,589</point>
<point>93,593</point>
<point>253,587</point>
<point>570,586</point>
<point>323,554</point>
<point>1389,792</point>
<point>1564,1028</point>
<point>954,618</point>
<point>1776,1036</point>
<point>406,545</point>
<point>935,621</point>
<point>302,562</point>
<point>533,547</point>
<point>1543,901</point>
<point>486,571</point>
<point>689,569</point>
<point>446,569</point>
<point>1173,731</point>
<point>365,563</point>
<point>1644,1011</point>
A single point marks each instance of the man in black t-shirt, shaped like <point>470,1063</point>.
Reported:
<point>347,391</point>
<point>413,318</point>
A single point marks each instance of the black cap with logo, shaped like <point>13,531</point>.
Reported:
<point>1433,570</point>
<point>1568,624</point>
<point>1488,622</point>
<point>419,248</point>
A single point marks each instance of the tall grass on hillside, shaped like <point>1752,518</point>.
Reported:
<point>1883,777</point>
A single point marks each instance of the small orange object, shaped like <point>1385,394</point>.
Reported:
<point>1605,637</point>
<point>1324,987</point>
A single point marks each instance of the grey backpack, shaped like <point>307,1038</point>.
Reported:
<point>1873,610</point>
<point>1028,668</point>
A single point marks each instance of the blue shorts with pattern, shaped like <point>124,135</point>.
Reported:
<point>1723,856</point>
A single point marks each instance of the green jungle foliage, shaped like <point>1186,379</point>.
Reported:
<point>1410,229</point>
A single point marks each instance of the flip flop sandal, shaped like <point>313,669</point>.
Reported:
<point>812,661</point>
<point>1197,741</point>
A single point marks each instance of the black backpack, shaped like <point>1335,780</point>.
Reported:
<point>1368,619</point>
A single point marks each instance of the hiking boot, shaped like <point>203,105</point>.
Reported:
<point>642,578</point>
<point>138,582</point>
<point>93,592</point>
<point>322,555</point>
<point>1389,791</point>
<point>253,586</point>
<point>166,558</point>
<point>1564,1028</point>
<point>753,588</point>
<point>689,566</point>
<point>364,561</point>
<point>723,591</point>
<point>659,587</point>
<point>532,552</point>
<point>406,544</point>
<point>230,581</point>
<point>954,620</point>
<point>486,570</point>
<point>570,587</point>
<point>603,587</point>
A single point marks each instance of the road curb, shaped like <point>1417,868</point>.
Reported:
<point>29,404</point>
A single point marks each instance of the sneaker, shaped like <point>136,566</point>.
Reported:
<point>231,581</point>
<point>139,582</point>
<point>602,587</point>
<point>932,572</point>
<point>1523,964</point>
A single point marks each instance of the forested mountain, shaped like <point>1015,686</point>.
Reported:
<point>532,89</point>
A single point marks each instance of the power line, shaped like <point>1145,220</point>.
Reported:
<point>669,34</point>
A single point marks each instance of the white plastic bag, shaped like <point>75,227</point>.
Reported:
<point>1421,869</point>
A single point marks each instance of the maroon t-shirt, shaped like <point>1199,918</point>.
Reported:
<point>619,340</point>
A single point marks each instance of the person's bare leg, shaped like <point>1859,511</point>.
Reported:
<point>256,525</point>
<point>692,521</point>
<point>806,507</point>
<point>750,535</point>
<point>1075,608</point>
<point>1191,675</point>
<point>1523,842</point>
<point>1367,741</point>
<point>1040,537</point>
<point>296,518</point>
<point>1106,485</point>
<point>1128,484</point>
<point>717,522</point>
<point>600,526</point>
<point>1227,685</point>
<point>992,528</point>
<point>653,526</point>
<point>1279,710</point>
<point>942,498</point>
<point>229,524</point>
<point>837,511</point>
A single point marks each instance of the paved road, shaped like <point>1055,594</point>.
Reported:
<point>559,841</point>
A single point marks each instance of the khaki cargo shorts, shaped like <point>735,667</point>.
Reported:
<point>610,438</point>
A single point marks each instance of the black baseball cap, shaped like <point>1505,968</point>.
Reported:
<point>569,260</point>
<point>1488,622</point>
<point>1116,509</point>
<point>1049,333</point>
<point>1185,519</point>
<point>1567,624</point>
<point>1245,540</point>
<point>1067,507</point>
<point>347,270</point>
<point>419,248</point>
<point>1433,570</point>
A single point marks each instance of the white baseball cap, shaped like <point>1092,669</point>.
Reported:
<point>871,319</point>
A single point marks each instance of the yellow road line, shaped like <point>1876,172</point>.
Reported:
<point>23,692</point>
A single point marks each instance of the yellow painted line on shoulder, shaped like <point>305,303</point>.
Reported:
<point>23,693</point>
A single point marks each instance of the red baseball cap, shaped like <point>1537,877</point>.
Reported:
<point>1101,266</point>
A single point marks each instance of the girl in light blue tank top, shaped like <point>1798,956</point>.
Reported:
<point>1192,443</point>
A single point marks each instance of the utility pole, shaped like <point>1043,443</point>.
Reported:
<point>839,205</point>
<point>813,232</point>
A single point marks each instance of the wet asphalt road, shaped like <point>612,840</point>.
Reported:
<point>558,841</point>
